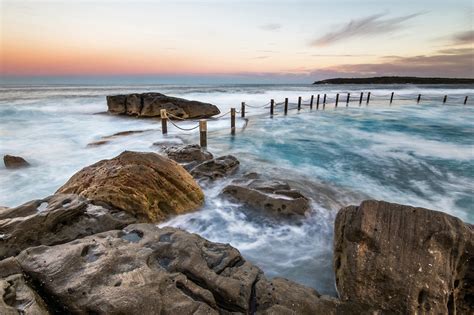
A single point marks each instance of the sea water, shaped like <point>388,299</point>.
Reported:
<point>417,154</point>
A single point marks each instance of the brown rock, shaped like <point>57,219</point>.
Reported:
<point>54,220</point>
<point>404,260</point>
<point>187,155</point>
<point>147,185</point>
<point>144,269</point>
<point>216,168</point>
<point>13,162</point>
<point>150,104</point>
<point>274,196</point>
<point>16,295</point>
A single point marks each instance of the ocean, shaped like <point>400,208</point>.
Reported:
<point>404,152</point>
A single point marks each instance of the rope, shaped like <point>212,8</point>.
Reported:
<point>221,115</point>
<point>257,106</point>
<point>185,129</point>
<point>180,118</point>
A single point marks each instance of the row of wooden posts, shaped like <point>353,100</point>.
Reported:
<point>203,122</point>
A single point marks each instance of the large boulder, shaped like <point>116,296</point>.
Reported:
<point>13,162</point>
<point>148,185</point>
<point>54,220</point>
<point>404,260</point>
<point>150,105</point>
<point>274,196</point>
<point>144,269</point>
<point>216,168</point>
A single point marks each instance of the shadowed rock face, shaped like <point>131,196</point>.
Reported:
<point>404,260</point>
<point>270,195</point>
<point>54,220</point>
<point>143,269</point>
<point>13,162</point>
<point>146,185</point>
<point>150,104</point>
<point>187,155</point>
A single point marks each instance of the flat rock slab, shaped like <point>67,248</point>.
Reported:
<point>404,260</point>
<point>274,196</point>
<point>150,105</point>
<point>54,220</point>
<point>144,269</point>
<point>146,185</point>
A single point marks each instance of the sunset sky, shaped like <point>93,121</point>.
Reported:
<point>254,41</point>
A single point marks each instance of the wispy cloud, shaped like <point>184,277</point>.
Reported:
<point>341,55</point>
<point>371,25</point>
<point>271,27</point>
<point>261,57</point>
<point>463,38</point>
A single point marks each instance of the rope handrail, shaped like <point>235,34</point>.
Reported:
<point>257,106</point>
<point>184,129</point>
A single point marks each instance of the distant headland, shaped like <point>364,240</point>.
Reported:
<point>396,80</point>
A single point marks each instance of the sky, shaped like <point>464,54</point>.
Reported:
<point>234,41</point>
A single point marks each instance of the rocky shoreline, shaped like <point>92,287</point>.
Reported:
<point>94,248</point>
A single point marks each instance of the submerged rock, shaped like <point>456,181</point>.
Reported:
<point>13,162</point>
<point>274,196</point>
<point>146,185</point>
<point>404,260</point>
<point>150,104</point>
<point>106,139</point>
<point>187,155</point>
<point>144,269</point>
<point>215,168</point>
<point>54,220</point>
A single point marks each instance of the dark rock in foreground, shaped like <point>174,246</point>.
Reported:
<point>13,162</point>
<point>404,260</point>
<point>269,195</point>
<point>396,80</point>
<point>55,220</point>
<point>216,168</point>
<point>150,104</point>
<point>144,269</point>
<point>147,185</point>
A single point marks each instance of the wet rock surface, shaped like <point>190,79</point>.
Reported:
<point>144,269</point>
<point>404,260</point>
<point>216,168</point>
<point>270,195</point>
<point>147,185</point>
<point>106,139</point>
<point>54,220</point>
<point>188,156</point>
<point>13,162</point>
<point>150,105</point>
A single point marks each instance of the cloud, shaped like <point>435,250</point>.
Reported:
<point>271,27</point>
<point>341,55</point>
<point>444,63</point>
<point>463,38</point>
<point>371,25</point>
<point>261,57</point>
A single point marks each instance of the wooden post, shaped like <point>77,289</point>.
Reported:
<point>337,98</point>
<point>286,106</point>
<point>465,100</point>
<point>299,103</point>
<point>242,110</point>
<point>232,121</point>
<point>164,122</point>
<point>419,99</point>
<point>317,102</point>
<point>324,101</point>
<point>311,102</point>
<point>361,97</point>
<point>445,98</point>
<point>348,99</point>
<point>203,133</point>
<point>391,98</point>
<point>272,106</point>
<point>368,98</point>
